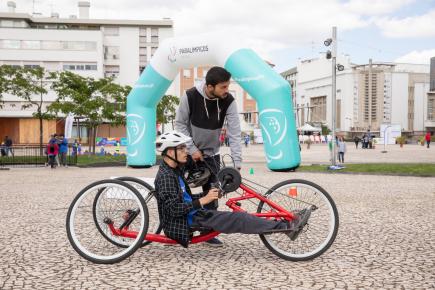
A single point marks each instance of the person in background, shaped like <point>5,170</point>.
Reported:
<point>341,149</point>
<point>8,146</point>
<point>52,151</point>
<point>427,138</point>
<point>118,148</point>
<point>356,140</point>
<point>75,146</point>
<point>63,150</point>
<point>247,139</point>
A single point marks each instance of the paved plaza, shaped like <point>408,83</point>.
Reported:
<point>386,237</point>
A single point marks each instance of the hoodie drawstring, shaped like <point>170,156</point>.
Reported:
<point>218,109</point>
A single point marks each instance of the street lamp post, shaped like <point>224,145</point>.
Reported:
<point>334,92</point>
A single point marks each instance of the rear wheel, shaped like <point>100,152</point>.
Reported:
<point>320,231</point>
<point>95,209</point>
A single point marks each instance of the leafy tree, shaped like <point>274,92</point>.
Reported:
<point>166,109</point>
<point>325,130</point>
<point>6,74</point>
<point>31,84</point>
<point>97,100</point>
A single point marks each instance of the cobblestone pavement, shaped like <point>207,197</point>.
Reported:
<point>385,241</point>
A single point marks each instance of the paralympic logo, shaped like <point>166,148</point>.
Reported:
<point>172,57</point>
<point>274,125</point>
<point>135,131</point>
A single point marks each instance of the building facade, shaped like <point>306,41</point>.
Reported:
<point>89,47</point>
<point>367,95</point>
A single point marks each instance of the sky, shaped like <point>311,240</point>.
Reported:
<point>283,31</point>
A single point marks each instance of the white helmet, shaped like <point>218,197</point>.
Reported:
<point>170,140</point>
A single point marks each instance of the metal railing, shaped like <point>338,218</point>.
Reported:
<point>28,156</point>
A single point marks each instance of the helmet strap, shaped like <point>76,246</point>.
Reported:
<point>176,157</point>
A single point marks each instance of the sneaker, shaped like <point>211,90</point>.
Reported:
<point>298,223</point>
<point>214,242</point>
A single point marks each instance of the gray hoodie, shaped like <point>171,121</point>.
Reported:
<point>202,119</point>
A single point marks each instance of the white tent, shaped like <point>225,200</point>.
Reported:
<point>308,128</point>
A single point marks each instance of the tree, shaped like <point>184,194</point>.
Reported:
<point>96,100</point>
<point>30,84</point>
<point>166,109</point>
<point>6,74</point>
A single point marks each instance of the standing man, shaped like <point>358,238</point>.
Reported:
<point>63,150</point>
<point>8,146</point>
<point>201,115</point>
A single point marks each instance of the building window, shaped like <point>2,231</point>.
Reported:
<point>10,44</point>
<point>111,71</point>
<point>154,32</point>
<point>111,30</point>
<point>80,67</point>
<point>247,117</point>
<point>52,45</point>
<point>154,39</point>
<point>31,44</point>
<point>79,45</point>
<point>111,52</point>
<point>186,73</point>
<point>153,50</point>
<point>32,66</point>
<point>143,31</point>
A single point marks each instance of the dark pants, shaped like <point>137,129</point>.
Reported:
<point>235,222</point>
<point>62,157</point>
<point>341,157</point>
<point>214,163</point>
<point>51,160</point>
<point>428,143</point>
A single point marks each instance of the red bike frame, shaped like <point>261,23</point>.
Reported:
<point>233,203</point>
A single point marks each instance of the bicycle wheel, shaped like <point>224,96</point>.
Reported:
<point>320,231</point>
<point>118,204</point>
<point>147,191</point>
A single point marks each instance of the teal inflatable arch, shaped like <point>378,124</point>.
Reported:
<point>268,88</point>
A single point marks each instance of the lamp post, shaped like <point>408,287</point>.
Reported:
<point>333,55</point>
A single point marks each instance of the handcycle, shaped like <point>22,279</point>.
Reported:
<point>110,219</point>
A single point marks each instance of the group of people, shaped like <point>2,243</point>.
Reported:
<point>366,140</point>
<point>197,138</point>
<point>57,150</point>
<point>6,147</point>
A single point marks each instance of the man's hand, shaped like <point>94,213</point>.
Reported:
<point>196,156</point>
<point>212,195</point>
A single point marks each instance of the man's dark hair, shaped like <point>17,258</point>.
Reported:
<point>217,75</point>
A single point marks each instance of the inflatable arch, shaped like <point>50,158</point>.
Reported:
<point>267,87</point>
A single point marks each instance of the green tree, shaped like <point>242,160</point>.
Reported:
<point>7,73</point>
<point>166,109</point>
<point>325,130</point>
<point>97,100</point>
<point>31,84</point>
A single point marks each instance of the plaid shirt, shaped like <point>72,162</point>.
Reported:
<point>173,209</point>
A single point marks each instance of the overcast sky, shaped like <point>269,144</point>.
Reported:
<point>283,31</point>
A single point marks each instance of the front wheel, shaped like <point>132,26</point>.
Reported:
<point>120,207</point>
<point>320,231</point>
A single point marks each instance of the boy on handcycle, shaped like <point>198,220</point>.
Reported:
<point>180,210</point>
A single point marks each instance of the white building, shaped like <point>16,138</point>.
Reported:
<point>367,95</point>
<point>89,47</point>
